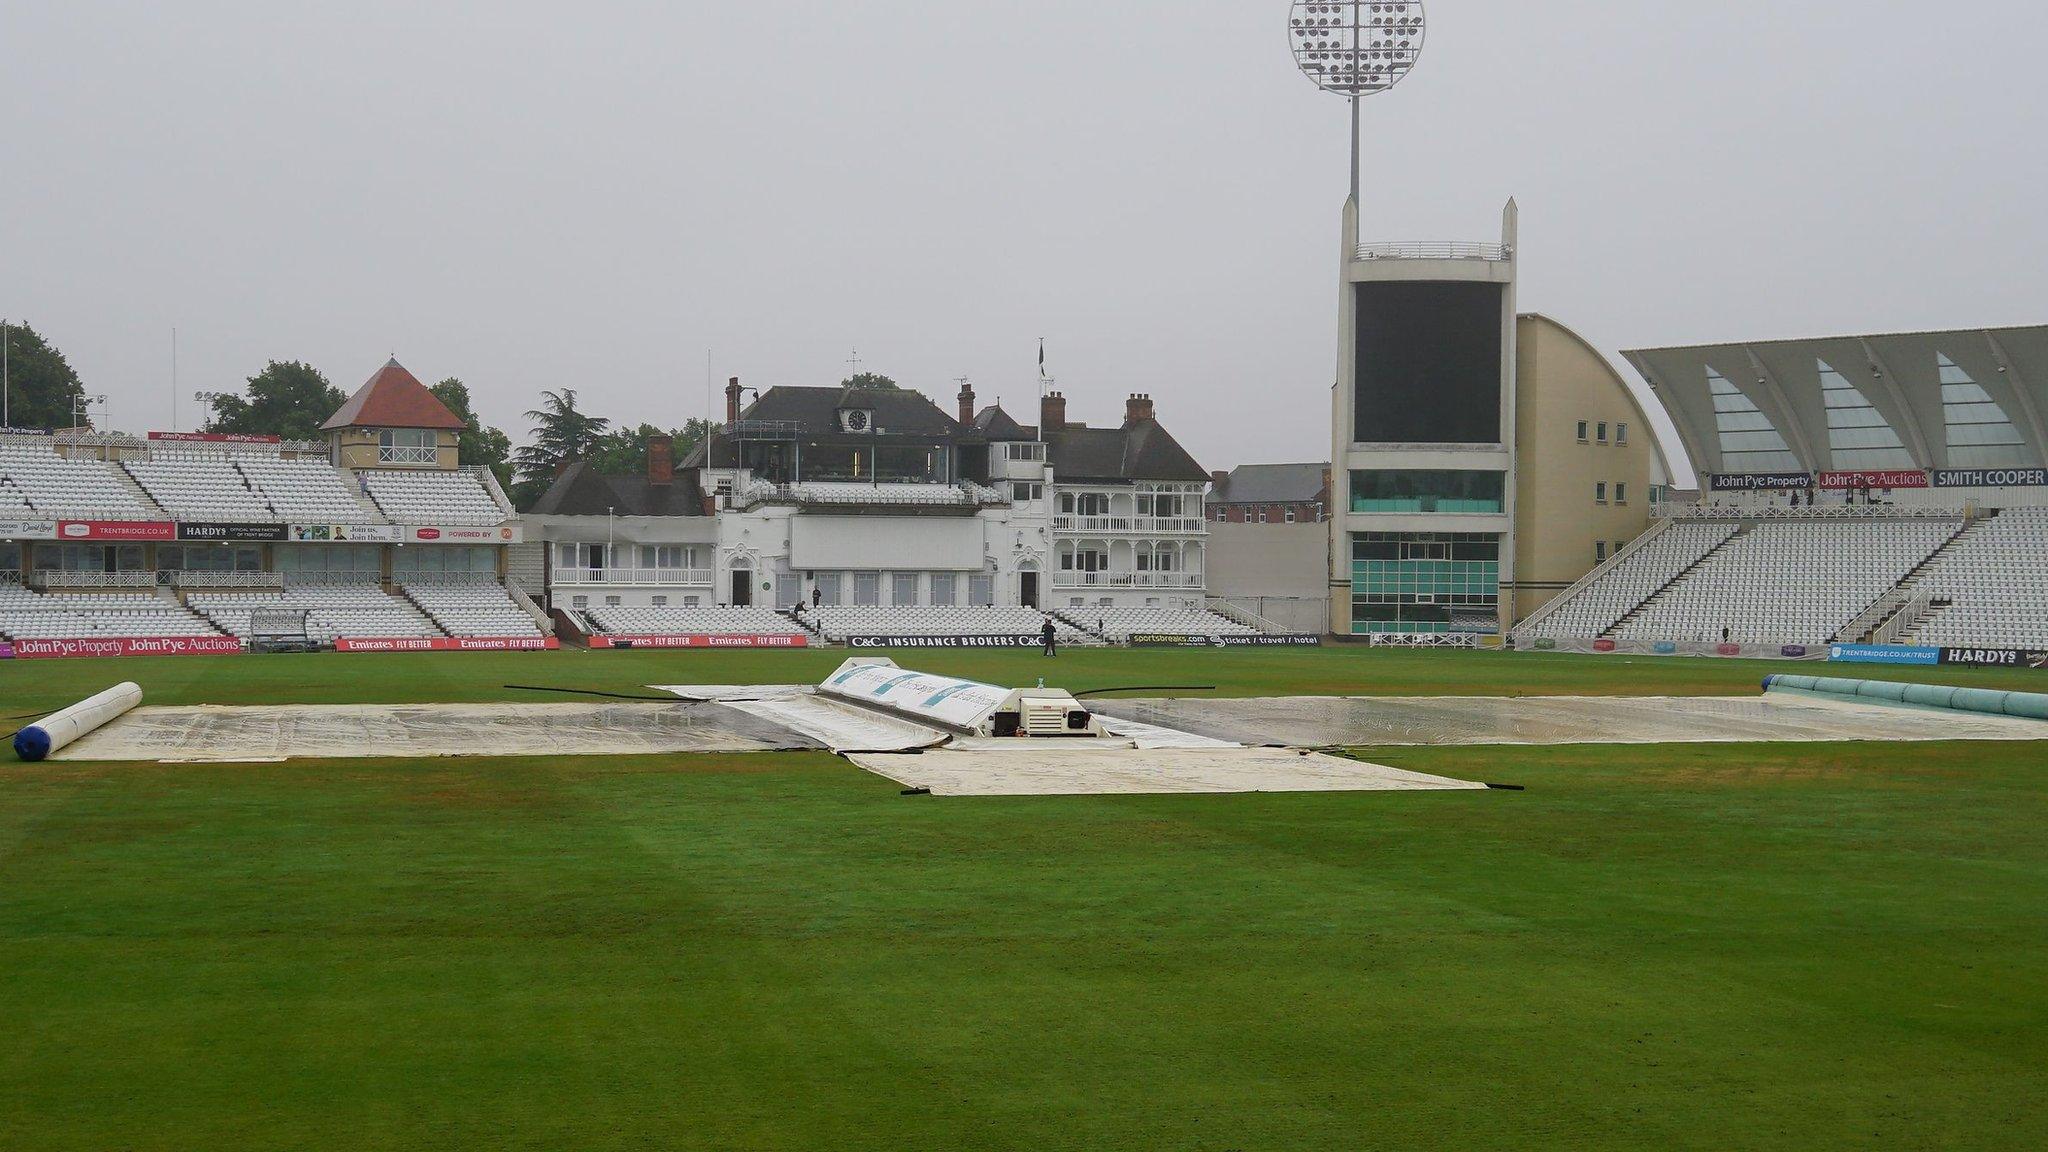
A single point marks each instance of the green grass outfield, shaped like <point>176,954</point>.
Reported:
<point>1700,946</point>
<point>36,686</point>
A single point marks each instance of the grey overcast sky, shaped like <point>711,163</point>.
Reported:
<point>594,195</point>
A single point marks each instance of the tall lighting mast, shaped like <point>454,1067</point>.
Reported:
<point>1356,49</point>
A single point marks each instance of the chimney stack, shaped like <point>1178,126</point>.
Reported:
<point>1138,407</point>
<point>966,402</point>
<point>1052,413</point>
<point>732,401</point>
<point>1219,479</point>
<point>661,461</point>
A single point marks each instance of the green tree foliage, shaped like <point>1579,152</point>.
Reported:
<point>870,380</point>
<point>288,398</point>
<point>477,443</point>
<point>40,383</point>
<point>623,451</point>
<point>560,434</point>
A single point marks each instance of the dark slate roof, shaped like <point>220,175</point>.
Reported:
<point>393,398</point>
<point>579,491</point>
<point>898,411</point>
<point>1140,450</point>
<point>1271,484</point>
<point>996,424</point>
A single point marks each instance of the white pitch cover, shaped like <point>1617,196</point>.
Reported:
<point>963,705</point>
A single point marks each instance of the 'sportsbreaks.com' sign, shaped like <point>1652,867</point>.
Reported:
<point>1263,640</point>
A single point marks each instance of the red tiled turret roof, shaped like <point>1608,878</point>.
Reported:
<point>393,398</point>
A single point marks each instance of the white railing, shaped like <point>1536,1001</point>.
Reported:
<point>1424,640</point>
<point>1183,580</point>
<point>1909,616</point>
<point>1435,250</point>
<point>10,575</point>
<point>58,578</point>
<point>667,576</point>
<point>1244,616</point>
<point>1118,525</point>
<point>227,579</point>
<point>408,456</point>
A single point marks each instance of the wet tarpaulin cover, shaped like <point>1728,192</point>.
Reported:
<point>218,733</point>
<point>1329,722</point>
<point>1097,767</point>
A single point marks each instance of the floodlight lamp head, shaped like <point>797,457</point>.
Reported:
<point>1355,48</point>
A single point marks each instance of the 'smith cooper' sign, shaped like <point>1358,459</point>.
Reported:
<point>128,646</point>
<point>1898,478</point>
<point>448,644</point>
<point>1991,478</point>
<point>700,640</point>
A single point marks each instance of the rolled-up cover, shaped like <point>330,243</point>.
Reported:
<point>57,729</point>
<point>1988,701</point>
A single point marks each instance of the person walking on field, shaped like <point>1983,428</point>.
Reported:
<point>1046,634</point>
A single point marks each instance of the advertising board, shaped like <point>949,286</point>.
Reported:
<point>698,640</point>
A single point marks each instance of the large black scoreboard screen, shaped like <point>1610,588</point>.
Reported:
<point>1429,367</point>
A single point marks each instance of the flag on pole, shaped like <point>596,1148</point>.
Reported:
<point>1041,357</point>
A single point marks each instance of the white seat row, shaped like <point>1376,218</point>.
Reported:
<point>477,609</point>
<point>1123,623</point>
<point>415,497</point>
<point>1798,583</point>
<point>200,488</point>
<point>306,491</point>
<point>840,622</point>
<point>1995,585</point>
<point>692,621</point>
<point>55,486</point>
<point>333,610</point>
<point>1631,580</point>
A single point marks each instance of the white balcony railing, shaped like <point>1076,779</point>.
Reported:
<point>1125,525</point>
<point>1437,250</point>
<point>59,578</point>
<point>192,579</point>
<point>662,576</point>
<point>1183,580</point>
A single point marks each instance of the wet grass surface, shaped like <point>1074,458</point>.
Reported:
<point>1710,946</point>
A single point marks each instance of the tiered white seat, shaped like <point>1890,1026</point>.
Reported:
<point>1123,623</point>
<point>477,609</point>
<point>841,492</point>
<point>1797,583</point>
<point>306,491</point>
<point>29,615</point>
<point>416,497</point>
<point>837,623</point>
<point>1623,588</point>
<point>200,486</point>
<point>354,611</point>
<point>12,502</point>
<point>61,488</point>
<point>692,621</point>
<point>1996,583</point>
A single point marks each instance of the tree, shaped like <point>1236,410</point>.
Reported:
<point>623,451</point>
<point>561,434</point>
<point>288,399</point>
<point>871,380</point>
<point>476,444</point>
<point>40,382</point>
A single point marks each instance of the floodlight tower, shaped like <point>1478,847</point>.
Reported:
<point>1422,449</point>
<point>1356,49</point>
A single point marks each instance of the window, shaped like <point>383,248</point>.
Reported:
<point>661,601</point>
<point>903,589</point>
<point>944,590</point>
<point>1023,493</point>
<point>1599,551</point>
<point>1603,432</point>
<point>579,601</point>
<point>867,589</point>
<point>1091,504</point>
<point>1262,515</point>
<point>1621,433</point>
<point>1582,431</point>
<point>406,446</point>
<point>1424,582</point>
<point>1620,492</point>
<point>828,589</point>
<point>1423,490</point>
<point>981,590</point>
<point>1290,515</point>
<point>1024,451</point>
<point>1600,492</point>
<point>692,602</point>
<point>611,601</point>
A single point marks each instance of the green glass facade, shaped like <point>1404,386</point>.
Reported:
<point>1424,582</point>
<point>1424,490</point>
